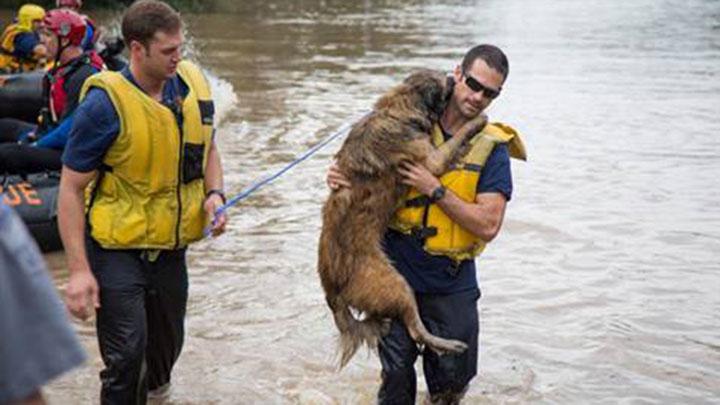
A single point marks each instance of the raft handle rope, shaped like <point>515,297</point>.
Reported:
<point>270,178</point>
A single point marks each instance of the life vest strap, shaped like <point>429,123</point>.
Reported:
<point>472,167</point>
<point>423,233</point>
<point>419,201</point>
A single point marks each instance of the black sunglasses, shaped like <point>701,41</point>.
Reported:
<point>477,87</point>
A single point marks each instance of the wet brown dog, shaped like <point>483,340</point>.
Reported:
<point>354,271</point>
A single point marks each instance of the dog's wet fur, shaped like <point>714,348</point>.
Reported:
<point>357,277</point>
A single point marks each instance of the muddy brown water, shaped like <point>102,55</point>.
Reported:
<point>604,285</point>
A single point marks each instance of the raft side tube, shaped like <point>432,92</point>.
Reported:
<point>34,198</point>
<point>21,96</point>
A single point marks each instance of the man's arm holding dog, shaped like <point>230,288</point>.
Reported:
<point>335,179</point>
<point>483,217</point>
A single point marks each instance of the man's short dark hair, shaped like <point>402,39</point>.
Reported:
<point>146,17</point>
<point>491,54</point>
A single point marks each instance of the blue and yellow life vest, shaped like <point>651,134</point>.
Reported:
<point>10,62</point>
<point>419,217</point>
<point>150,193</point>
<point>27,15</point>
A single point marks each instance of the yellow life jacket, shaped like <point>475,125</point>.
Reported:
<point>150,192</point>
<point>419,217</point>
<point>9,62</point>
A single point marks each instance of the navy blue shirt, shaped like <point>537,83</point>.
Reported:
<point>428,274</point>
<point>25,43</point>
<point>96,125</point>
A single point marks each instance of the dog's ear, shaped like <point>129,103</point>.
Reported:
<point>449,87</point>
<point>435,94</point>
<point>430,88</point>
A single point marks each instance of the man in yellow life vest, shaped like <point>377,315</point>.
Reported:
<point>442,225</point>
<point>21,49</point>
<point>144,138</point>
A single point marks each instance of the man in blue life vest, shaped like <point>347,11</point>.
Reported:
<point>442,225</point>
<point>144,138</point>
<point>21,49</point>
<point>40,148</point>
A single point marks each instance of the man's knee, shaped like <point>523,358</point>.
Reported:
<point>123,357</point>
<point>398,353</point>
<point>122,333</point>
<point>454,316</point>
<point>398,386</point>
<point>448,376</point>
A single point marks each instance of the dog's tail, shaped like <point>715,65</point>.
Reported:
<point>337,263</point>
<point>357,333</point>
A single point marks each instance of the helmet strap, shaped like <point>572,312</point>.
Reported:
<point>60,49</point>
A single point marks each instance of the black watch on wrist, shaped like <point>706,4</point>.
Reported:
<point>218,192</point>
<point>438,194</point>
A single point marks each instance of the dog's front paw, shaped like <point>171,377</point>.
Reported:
<point>476,124</point>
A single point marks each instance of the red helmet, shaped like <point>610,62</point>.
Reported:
<point>66,24</point>
<point>76,4</point>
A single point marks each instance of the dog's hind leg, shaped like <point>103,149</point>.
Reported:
<point>381,291</point>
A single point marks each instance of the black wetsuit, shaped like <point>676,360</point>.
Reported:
<point>12,128</point>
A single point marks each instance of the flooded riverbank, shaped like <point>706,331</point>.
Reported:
<point>603,285</point>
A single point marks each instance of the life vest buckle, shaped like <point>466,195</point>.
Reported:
<point>424,233</point>
<point>454,268</point>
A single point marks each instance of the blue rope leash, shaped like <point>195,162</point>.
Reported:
<point>269,179</point>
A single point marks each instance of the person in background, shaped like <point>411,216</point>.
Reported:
<point>109,49</point>
<point>21,49</point>
<point>442,225</point>
<point>144,138</point>
<point>38,342</point>
<point>41,146</point>
<point>91,33</point>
